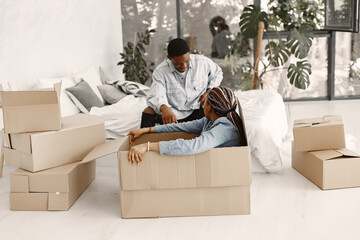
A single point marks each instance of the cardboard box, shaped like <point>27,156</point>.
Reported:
<point>42,150</point>
<point>53,189</point>
<point>31,111</point>
<point>329,169</point>
<point>319,133</point>
<point>216,182</point>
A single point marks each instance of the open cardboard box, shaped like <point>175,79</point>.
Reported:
<point>52,189</point>
<point>216,182</point>
<point>42,150</point>
<point>329,169</point>
<point>319,133</point>
<point>31,111</point>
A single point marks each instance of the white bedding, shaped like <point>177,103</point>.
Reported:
<point>266,128</point>
<point>265,120</point>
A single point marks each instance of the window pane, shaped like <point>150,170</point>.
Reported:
<point>347,64</point>
<point>138,15</point>
<point>203,24</point>
<point>340,14</point>
<point>292,14</point>
<point>318,79</point>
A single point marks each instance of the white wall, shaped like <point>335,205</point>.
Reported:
<point>42,38</point>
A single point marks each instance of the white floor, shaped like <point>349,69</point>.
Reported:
<point>285,205</point>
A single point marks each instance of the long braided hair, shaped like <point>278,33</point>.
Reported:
<point>224,103</point>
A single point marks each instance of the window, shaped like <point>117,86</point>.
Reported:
<point>334,56</point>
<point>342,15</point>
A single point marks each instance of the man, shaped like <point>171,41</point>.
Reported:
<point>180,85</point>
<point>222,41</point>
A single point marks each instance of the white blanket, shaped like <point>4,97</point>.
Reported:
<point>265,121</point>
<point>266,128</point>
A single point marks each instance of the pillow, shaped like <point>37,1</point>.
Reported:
<point>92,77</point>
<point>111,94</point>
<point>103,78</point>
<point>84,97</point>
<point>66,105</point>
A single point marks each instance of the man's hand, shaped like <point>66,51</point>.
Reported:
<point>167,115</point>
<point>203,97</point>
<point>136,152</point>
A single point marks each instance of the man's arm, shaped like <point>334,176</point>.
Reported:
<point>157,99</point>
<point>156,96</point>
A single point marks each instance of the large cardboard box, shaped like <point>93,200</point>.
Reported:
<point>329,169</point>
<point>53,189</point>
<point>42,150</point>
<point>31,111</point>
<point>216,182</point>
<point>319,133</point>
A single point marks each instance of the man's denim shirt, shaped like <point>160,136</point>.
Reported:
<point>182,95</point>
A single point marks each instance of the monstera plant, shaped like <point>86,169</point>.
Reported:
<point>278,51</point>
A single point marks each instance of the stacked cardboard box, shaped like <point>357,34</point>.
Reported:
<point>216,182</point>
<point>50,176</point>
<point>53,189</point>
<point>320,155</point>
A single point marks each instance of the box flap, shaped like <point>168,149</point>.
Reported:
<point>50,180</point>
<point>327,154</point>
<point>57,87</point>
<point>17,158</point>
<point>106,149</point>
<point>335,153</point>
<point>21,142</point>
<point>71,122</point>
<point>58,201</point>
<point>5,138</point>
<point>30,97</point>
<point>19,183</point>
<point>347,152</point>
<point>29,201</point>
<point>330,119</point>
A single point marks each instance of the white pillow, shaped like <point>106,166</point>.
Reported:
<point>92,77</point>
<point>67,106</point>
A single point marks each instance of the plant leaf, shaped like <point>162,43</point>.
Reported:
<point>299,74</point>
<point>277,54</point>
<point>300,41</point>
<point>249,21</point>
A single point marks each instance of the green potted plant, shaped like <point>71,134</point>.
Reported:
<point>278,51</point>
<point>136,68</point>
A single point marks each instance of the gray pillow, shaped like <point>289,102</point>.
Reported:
<point>111,94</point>
<point>85,95</point>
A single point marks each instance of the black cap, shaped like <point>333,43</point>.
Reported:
<point>177,47</point>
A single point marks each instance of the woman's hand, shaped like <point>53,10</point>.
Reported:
<point>136,152</point>
<point>136,133</point>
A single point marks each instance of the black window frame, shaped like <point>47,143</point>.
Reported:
<point>354,18</point>
<point>330,34</point>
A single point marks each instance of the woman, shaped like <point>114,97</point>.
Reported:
<point>221,127</point>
